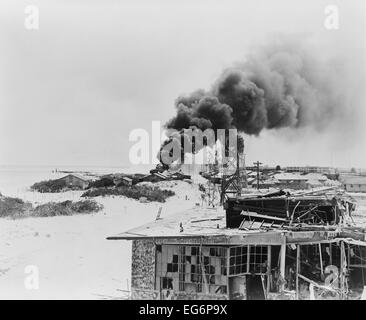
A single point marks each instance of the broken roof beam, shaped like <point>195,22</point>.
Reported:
<point>274,237</point>
<point>254,215</point>
<point>316,191</point>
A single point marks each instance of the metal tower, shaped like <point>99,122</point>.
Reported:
<point>234,176</point>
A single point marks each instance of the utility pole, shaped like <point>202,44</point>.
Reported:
<point>238,175</point>
<point>257,164</point>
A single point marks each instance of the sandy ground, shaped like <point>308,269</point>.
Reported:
<point>73,257</point>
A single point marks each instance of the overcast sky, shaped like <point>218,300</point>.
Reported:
<point>72,91</point>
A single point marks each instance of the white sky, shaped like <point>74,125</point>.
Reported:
<point>72,91</point>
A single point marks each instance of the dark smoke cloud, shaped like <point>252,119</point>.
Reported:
<point>245,99</point>
<point>277,86</point>
<point>203,111</point>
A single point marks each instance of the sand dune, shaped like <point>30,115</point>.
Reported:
<point>74,259</point>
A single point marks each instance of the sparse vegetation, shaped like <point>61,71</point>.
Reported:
<point>17,208</point>
<point>101,183</point>
<point>135,192</point>
<point>14,207</point>
<point>66,208</point>
<point>49,186</point>
<point>53,186</point>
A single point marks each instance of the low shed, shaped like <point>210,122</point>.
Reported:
<point>74,180</point>
<point>354,183</point>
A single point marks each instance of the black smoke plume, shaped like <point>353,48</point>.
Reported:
<point>277,86</point>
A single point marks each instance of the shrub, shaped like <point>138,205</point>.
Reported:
<point>17,208</point>
<point>14,207</point>
<point>52,209</point>
<point>49,186</point>
<point>134,192</point>
<point>85,206</point>
<point>101,183</point>
<point>66,208</point>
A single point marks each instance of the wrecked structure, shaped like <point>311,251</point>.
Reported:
<point>283,208</point>
<point>271,246</point>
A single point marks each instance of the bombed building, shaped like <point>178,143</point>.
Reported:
<point>275,246</point>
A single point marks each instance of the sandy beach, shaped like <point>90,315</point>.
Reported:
<point>74,259</point>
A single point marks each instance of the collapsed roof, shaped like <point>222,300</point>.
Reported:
<point>284,208</point>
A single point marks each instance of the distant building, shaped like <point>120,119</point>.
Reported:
<point>75,180</point>
<point>354,183</point>
<point>311,169</point>
<point>127,181</point>
<point>294,181</point>
<point>291,181</point>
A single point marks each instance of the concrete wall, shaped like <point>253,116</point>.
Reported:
<point>143,264</point>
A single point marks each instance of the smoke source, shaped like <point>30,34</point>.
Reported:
<point>279,85</point>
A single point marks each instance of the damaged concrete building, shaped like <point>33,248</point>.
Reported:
<point>274,246</point>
